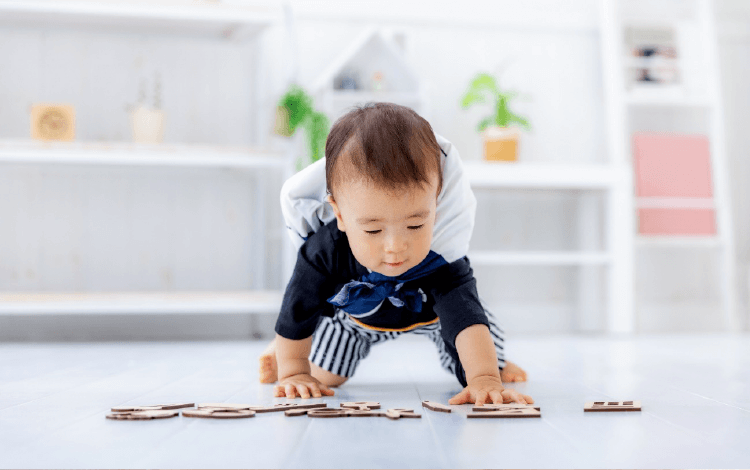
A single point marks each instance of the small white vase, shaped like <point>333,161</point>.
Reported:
<point>147,125</point>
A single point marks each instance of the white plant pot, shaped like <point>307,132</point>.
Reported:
<point>147,125</point>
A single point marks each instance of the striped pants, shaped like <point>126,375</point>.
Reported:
<point>339,344</point>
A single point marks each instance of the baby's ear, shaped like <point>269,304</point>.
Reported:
<point>337,212</point>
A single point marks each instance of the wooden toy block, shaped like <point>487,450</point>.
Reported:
<point>171,406</point>
<point>218,414</point>
<point>142,415</point>
<point>612,406</point>
<point>398,413</point>
<point>431,405</point>
<point>287,406</point>
<point>509,413</point>
<point>361,405</point>
<point>504,406</point>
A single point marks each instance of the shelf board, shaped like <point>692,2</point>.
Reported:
<point>118,303</point>
<point>665,101</point>
<point>361,95</point>
<point>682,241</point>
<point>538,258</point>
<point>485,174</point>
<point>178,17</point>
<point>675,203</point>
<point>129,154</point>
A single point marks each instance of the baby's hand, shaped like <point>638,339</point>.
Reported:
<point>487,387</point>
<point>302,385</point>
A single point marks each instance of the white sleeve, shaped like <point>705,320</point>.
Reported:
<point>303,202</point>
<point>456,207</point>
<point>305,210</point>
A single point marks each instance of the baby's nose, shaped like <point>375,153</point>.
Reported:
<point>395,244</point>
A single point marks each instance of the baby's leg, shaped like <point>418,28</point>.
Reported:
<point>268,373</point>
<point>512,373</point>
<point>325,377</point>
<point>337,348</point>
<point>509,371</point>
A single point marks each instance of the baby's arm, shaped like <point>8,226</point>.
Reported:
<point>294,370</point>
<point>477,354</point>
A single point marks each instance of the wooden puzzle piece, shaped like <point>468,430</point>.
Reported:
<point>361,405</point>
<point>218,413</point>
<point>431,405</point>
<point>287,406</point>
<point>328,413</point>
<point>504,406</point>
<point>224,406</point>
<point>171,406</point>
<point>612,406</point>
<point>142,415</point>
<point>509,413</point>
<point>398,413</point>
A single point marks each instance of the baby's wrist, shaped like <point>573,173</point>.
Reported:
<point>290,367</point>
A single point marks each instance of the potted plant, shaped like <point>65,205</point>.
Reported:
<point>500,139</point>
<point>295,109</point>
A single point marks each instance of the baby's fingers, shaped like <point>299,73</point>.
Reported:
<point>459,399</point>
<point>322,389</point>
<point>303,391</point>
<point>513,396</point>
<point>290,390</point>
<point>482,397</point>
<point>496,396</point>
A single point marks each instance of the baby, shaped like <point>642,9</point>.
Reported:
<point>383,225</point>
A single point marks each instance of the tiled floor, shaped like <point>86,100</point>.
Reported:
<point>695,392</point>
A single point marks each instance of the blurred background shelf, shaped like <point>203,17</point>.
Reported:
<point>123,153</point>
<point>538,258</point>
<point>178,18</point>
<point>118,303</point>
<point>484,174</point>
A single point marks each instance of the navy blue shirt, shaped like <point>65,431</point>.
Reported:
<point>325,263</point>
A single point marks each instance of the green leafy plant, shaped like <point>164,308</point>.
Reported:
<point>299,111</point>
<point>484,89</point>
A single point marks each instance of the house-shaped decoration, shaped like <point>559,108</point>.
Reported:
<point>372,68</point>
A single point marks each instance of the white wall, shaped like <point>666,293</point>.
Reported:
<point>548,50</point>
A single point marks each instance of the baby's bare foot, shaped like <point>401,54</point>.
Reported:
<point>268,373</point>
<point>512,373</point>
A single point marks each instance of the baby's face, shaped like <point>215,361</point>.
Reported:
<point>388,233</point>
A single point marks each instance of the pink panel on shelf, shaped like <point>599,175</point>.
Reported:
<point>672,165</point>
<point>677,221</point>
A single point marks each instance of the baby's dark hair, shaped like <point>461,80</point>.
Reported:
<point>385,143</point>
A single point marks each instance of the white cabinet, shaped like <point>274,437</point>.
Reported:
<point>693,105</point>
<point>241,150</point>
<point>613,181</point>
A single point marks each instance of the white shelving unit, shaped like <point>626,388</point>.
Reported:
<point>614,180</point>
<point>694,21</point>
<point>207,20</point>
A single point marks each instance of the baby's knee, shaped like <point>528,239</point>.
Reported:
<point>327,378</point>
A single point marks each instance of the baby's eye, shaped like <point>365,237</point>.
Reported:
<point>416,227</point>
<point>372,232</point>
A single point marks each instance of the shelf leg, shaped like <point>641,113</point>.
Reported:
<point>620,242</point>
